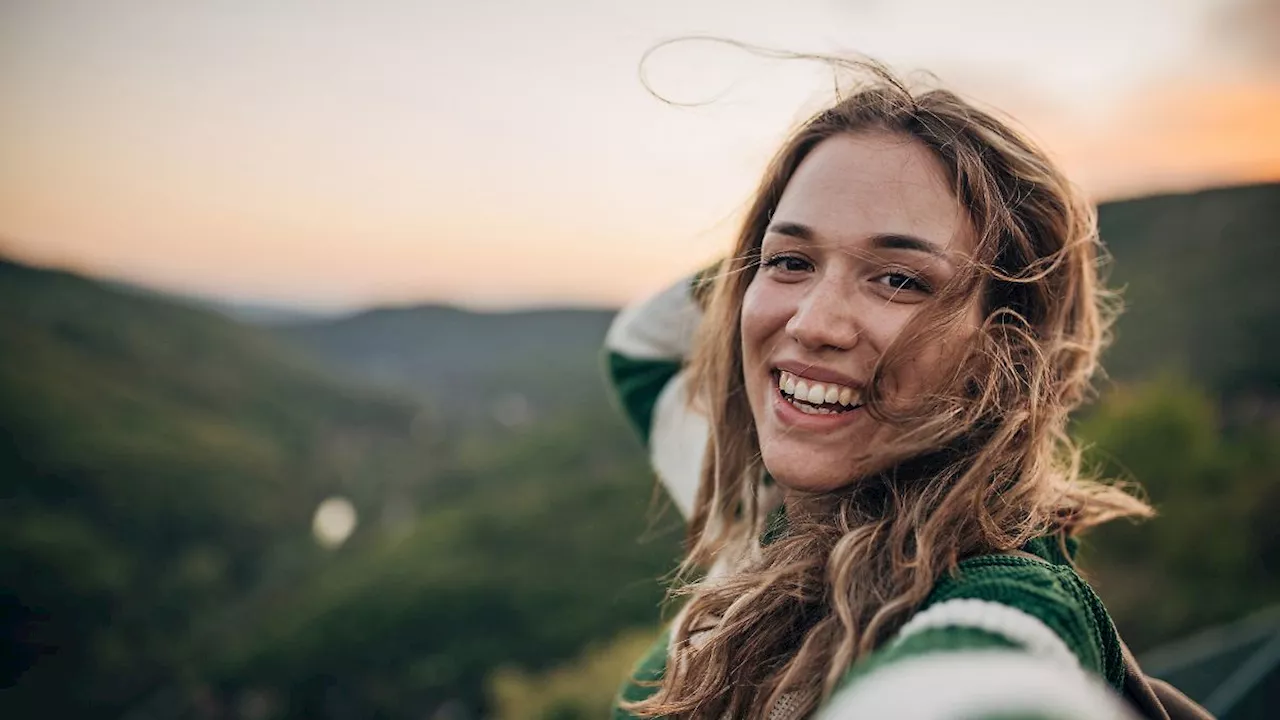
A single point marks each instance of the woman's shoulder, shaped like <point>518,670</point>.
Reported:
<point>1035,598</point>
<point>1003,632</point>
<point>1020,633</point>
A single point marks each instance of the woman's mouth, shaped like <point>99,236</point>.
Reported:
<point>816,398</point>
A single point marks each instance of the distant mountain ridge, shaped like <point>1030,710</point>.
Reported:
<point>480,365</point>
<point>255,313</point>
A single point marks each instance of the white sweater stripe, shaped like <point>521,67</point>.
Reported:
<point>1021,628</point>
<point>973,684</point>
<point>678,443</point>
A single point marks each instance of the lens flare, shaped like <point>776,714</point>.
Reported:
<point>334,521</point>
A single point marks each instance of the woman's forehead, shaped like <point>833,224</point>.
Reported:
<point>853,187</point>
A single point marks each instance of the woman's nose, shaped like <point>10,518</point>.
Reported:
<point>826,318</point>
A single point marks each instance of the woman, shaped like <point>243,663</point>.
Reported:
<point>869,440</point>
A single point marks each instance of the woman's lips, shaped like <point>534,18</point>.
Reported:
<point>789,414</point>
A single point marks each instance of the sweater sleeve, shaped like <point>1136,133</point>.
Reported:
<point>644,678</point>
<point>645,351</point>
<point>1005,637</point>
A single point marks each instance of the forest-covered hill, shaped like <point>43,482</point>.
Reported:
<point>160,468</point>
<point>159,463</point>
<point>1198,274</point>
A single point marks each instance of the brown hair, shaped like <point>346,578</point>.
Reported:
<point>982,464</point>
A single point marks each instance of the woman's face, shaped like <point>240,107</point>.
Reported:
<point>866,232</point>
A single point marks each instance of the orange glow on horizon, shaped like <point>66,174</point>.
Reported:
<point>1177,138</point>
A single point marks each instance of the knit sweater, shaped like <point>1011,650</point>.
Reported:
<point>1004,636</point>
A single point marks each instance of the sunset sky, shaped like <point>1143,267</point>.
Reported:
<point>502,153</point>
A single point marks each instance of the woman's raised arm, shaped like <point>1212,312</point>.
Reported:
<point>646,349</point>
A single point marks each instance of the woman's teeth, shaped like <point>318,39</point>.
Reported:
<point>811,397</point>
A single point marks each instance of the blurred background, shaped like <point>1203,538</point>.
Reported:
<point>301,307</point>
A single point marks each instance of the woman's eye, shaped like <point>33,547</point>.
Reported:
<point>788,263</point>
<point>902,281</point>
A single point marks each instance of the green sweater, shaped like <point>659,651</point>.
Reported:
<point>999,618</point>
<point>1003,637</point>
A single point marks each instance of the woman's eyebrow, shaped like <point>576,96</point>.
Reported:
<point>895,241</point>
<point>791,229</point>
<point>882,241</point>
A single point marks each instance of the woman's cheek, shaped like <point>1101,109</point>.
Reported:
<point>763,312</point>
<point>921,371</point>
<point>906,373</point>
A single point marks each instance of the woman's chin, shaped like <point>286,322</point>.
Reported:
<point>807,474</point>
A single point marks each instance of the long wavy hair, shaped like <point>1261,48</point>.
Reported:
<point>981,463</point>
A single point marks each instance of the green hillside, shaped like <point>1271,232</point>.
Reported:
<point>1199,277</point>
<point>158,464</point>
<point>160,468</point>
<point>542,547</point>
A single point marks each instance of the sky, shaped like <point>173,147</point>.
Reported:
<point>498,153</point>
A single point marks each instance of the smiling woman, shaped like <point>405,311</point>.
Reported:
<point>869,438</point>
